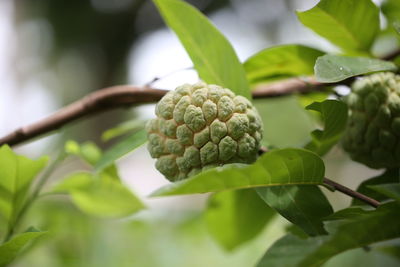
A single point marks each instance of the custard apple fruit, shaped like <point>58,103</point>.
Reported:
<point>202,126</point>
<point>372,135</point>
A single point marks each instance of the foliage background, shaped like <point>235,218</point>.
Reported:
<point>54,53</point>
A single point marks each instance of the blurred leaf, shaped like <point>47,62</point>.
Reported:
<point>278,167</point>
<point>344,235</point>
<point>334,115</point>
<point>100,195</point>
<point>120,149</point>
<point>291,116</point>
<point>390,190</point>
<point>350,24</point>
<point>391,10</point>
<point>389,176</point>
<point>236,216</point>
<point>79,180</point>
<point>90,153</point>
<point>16,175</point>
<point>304,206</point>
<point>121,129</point>
<point>331,68</point>
<point>286,60</point>
<point>211,53</point>
<point>10,249</point>
<point>396,26</point>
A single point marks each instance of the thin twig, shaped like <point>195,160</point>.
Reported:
<point>345,190</point>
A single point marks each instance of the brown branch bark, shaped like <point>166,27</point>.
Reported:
<point>347,191</point>
<point>127,95</point>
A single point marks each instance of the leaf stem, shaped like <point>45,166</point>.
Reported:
<point>347,191</point>
<point>42,181</point>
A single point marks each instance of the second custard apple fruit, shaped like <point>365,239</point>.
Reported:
<point>202,126</point>
<point>372,135</point>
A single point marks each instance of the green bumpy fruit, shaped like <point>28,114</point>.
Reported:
<point>202,126</point>
<point>372,135</point>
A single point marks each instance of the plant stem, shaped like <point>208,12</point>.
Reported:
<point>34,195</point>
<point>347,191</point>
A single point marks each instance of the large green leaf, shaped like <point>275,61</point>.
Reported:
<point>16,175</point>
<point>10,249</point>
<point>120,149</point>
<point>332,68</point>
<point>390,190</point>
<point>334,114</point>
<point>278,167</point>
<point>236,216</point>
<point>360,231</point>
<point>284,60</point>
<point>389,176</point>
<point>212,55</point>
<point>100,195</point>
<point>349,24</point>
<point>304,206</point>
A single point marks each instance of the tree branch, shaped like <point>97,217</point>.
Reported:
<point>347,191</point>
<point>127,95</point>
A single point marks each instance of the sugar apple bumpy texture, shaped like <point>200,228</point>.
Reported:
<point>372,135</point>
<point>202,126</point>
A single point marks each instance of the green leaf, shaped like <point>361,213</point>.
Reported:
<point>120,149</point>
<point>211,53</point>
<point>236,216</point>
<point>10,249</point>
<point>100,195</point>
<point>90,153</point>
<point>121,129</point>
<point>285,60</point>
<point>390,190</point>
<point>331,68</point>
<point>334,115</point>
<point>389,176</point>
<point>304,206</point>
<point>16,175</point>
<point>278,167</point>
<point>391,10</point>
<point>350,24</point>
<point>357,232</point>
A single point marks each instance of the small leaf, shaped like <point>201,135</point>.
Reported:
<point>16,175</point>
<point>331,68</point>
<point>234,217</point>
<point>350,24</point>
<point>355,232</point>
<point>10,249</point>
<point>304,206</point>
<point>211,53</point>
<point>278,167</point>
<point>390,190</point>
<point>101,195</point>
<point>389,176</point>
<point>90,153</point>
<point>334,114</point>
<point>281,61</point>
<point>120,149</point>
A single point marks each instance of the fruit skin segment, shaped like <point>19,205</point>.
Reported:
<point>372,135</point>
<point>202,126</point>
